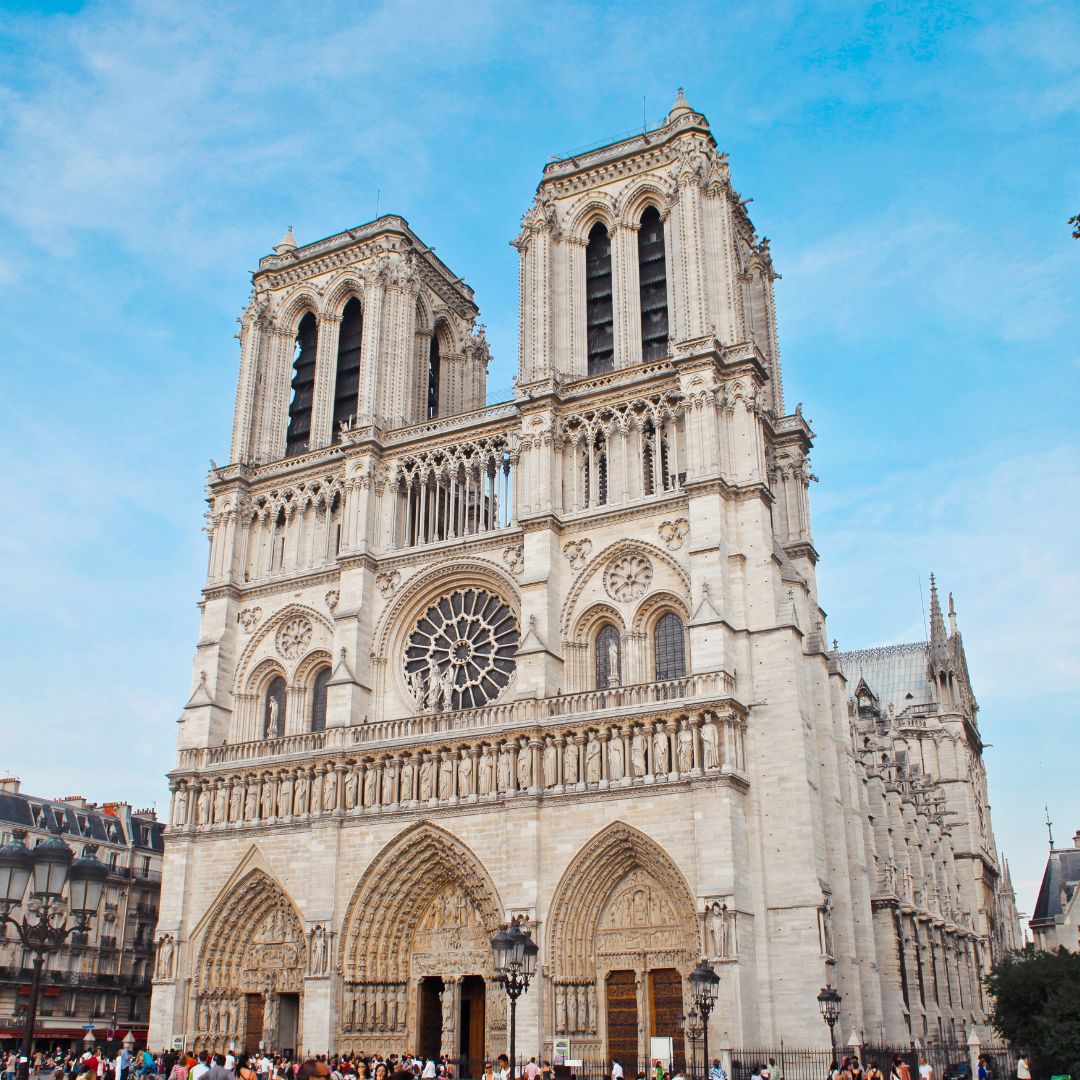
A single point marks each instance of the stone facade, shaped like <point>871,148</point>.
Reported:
<point>560,658</point>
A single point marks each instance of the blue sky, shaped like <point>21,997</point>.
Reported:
<point>913,164</point>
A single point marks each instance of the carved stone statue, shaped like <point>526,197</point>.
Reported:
<point>661,764</point>
<point>465,776</point>
<point>251,800</point>
<point>408,783</point>
<point>446,689</point>
<point>285,790</point>
<point>221,803</point>
<point>592,760</point>
<point>371,786</point>
<point>718,929</point>
<point>686,748</point>
<point>235,801</point>
<point>389,783</point>
<point>570,764</point>
<point>318,951</point>
<point>710,744</point>
<point>329,790</point>
<point>300,795</point>
<point>560,1010</point>
<point>615,757</point>
<point>504,768</point>
<point>446,777</point>
<point>613,663</point>
<point>352,784</point>
<point>268,797</point>
<point>165,957</point>
<point>551,760</point>
<point>426,786</point>
<point>487,771</point>
<point>524,769</point>
<point>181,805</point>
<point>571,1009</point>
<point>271,719</point>
<point>204,805</point>
<point>592,1008</point>
<point>639,750</point>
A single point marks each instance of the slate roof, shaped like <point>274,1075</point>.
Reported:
<point>897,674</point>
<point>77,823</point>
<point>1061,877</point>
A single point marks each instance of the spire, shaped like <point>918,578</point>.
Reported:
<point>286,243</point>
<point>680,108</point>
<point>937,621</point>
<point>952,617</point>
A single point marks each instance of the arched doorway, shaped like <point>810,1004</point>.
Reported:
<point>249,979</point>
<point>416,960</point>
<point>621,939</point>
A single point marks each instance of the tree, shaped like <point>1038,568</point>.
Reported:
<point>1075,223</point>
<point>1036,1006</point>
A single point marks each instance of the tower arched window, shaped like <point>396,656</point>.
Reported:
<point>318,700</point>
<point>599,311</point>
<point>347,383</point>
<point>298,435</point>
<point>608,658</point>
<point>652,280</point>
<point>433,377</point>
<point>274,709</point>
<point>669,648</point>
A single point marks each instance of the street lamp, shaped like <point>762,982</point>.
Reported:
<point>44,927</point>
<point>515,963</point>
<point>703,984</point>
<point>829,1003</point>
<point>693,1029</point>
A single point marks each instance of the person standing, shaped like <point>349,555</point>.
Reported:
<point>926,1070</point>
<point>717,1071</point>
<point>616,1071</point>
<point>1023,1068</point>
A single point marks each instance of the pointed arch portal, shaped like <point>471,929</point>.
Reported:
<point>416,961</point>
<point>249,978</point>
<point>621,939</point>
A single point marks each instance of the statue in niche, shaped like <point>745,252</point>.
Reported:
<point>592,1008</point>
<point>330,789</point>
<point>825,921</point>
<point>407,783</point>
<point>448,995</point>
<point>615,757</point>
<point>612,662</point>
<point>316,791</point>
<point>710,744</point>
<point>718,929</point>
<point>426,786</point>
<point>504,768</point>
<point>446,777</point>
<point>318,951</point>
<point>551,757</point>
<point>181,805</point>
<point>639,749</point>
<point>446,689</point>
<point>570,764</point>
<point>592,760</point>
<point>524,769</point>
<point>285,795</point>
<point>371,786</point>
<point>300,795</point>
<point>203,805</point>
<point>271,719</point>
<point>660,751</point>
<point>415,686</point>
<point>560,1010</point>
<point>235,801</point>
<point>251,800</point>
<point>268,797</point>
<point>571,1009</point>
<point>389,782</point>
<point>352,784</point>
<point>165,957</point>
<point>465,775</point>
<point>487,771</point>
<point>686,748</point>
<point>221,803</point>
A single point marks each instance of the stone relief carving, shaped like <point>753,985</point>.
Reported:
<point>628,577</point>
<point>248,618</point>
<point>331,600</point>
<point>388,582</point>
<point>293,637</point>
<point>673,533</point>
<point>578,552</point>
<point>319,952</point>
<point>719,929</point>
<point>166,956</point>
<point>514,557</point>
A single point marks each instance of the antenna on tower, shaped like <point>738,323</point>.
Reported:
<point>1049,827</point>
<point>922,604</point>
<point>378,195</point>
<point>644,122</point>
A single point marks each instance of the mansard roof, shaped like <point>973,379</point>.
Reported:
<point>895,674</point>
<point>79,821</point>
<point>1058,884</point>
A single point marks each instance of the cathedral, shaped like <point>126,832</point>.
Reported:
<point>558,659</point>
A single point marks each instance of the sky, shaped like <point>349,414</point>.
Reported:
<point>913,164</point>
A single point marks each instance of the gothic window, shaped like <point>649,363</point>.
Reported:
<point>599,459</point>
<point>277,554</point>
<point>347,383</point>
<point>669,648</point>
<point>274,709</point>
<point>298,436</point>
<point>599,312</point>
<point>654,447</point>
<point>652,279</point>
<point>318,700</point>
<point>608,658</point>
<point>434,372</point>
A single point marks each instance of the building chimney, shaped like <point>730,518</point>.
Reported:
<point>1076,836</point>
<point>10,785</point>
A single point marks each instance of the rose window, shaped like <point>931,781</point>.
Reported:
<point>461,653</point>
<point>628,578</point>
<point>293,637</point>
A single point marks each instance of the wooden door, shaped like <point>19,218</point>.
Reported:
<point>253,1026</point>
<point>665,1005</point>
<point>622,1020</point>
<point>471,1031</point>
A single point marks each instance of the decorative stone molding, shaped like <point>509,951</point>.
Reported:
<point>673,533</point>
<point>578,552</point>
<point>248,618</point>
<point>514,557</point>
<point>388,582</point>
<point>628,577</point>
<point>293,637</point>
<point>331,600</point>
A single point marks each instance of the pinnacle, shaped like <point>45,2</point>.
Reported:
<point>680,108</point>
<point>286,243</point>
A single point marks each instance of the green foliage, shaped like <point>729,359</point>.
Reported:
<point>1036,1006</point>
<point>1075,223</point>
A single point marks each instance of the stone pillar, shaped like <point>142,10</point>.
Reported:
<point>451,1015</point>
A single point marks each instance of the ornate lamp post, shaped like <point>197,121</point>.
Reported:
<point>515,963</point>
<point>693,1029</point>
<point>44,927</point>
<point>829,1003</point>
<point>703,984</point>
